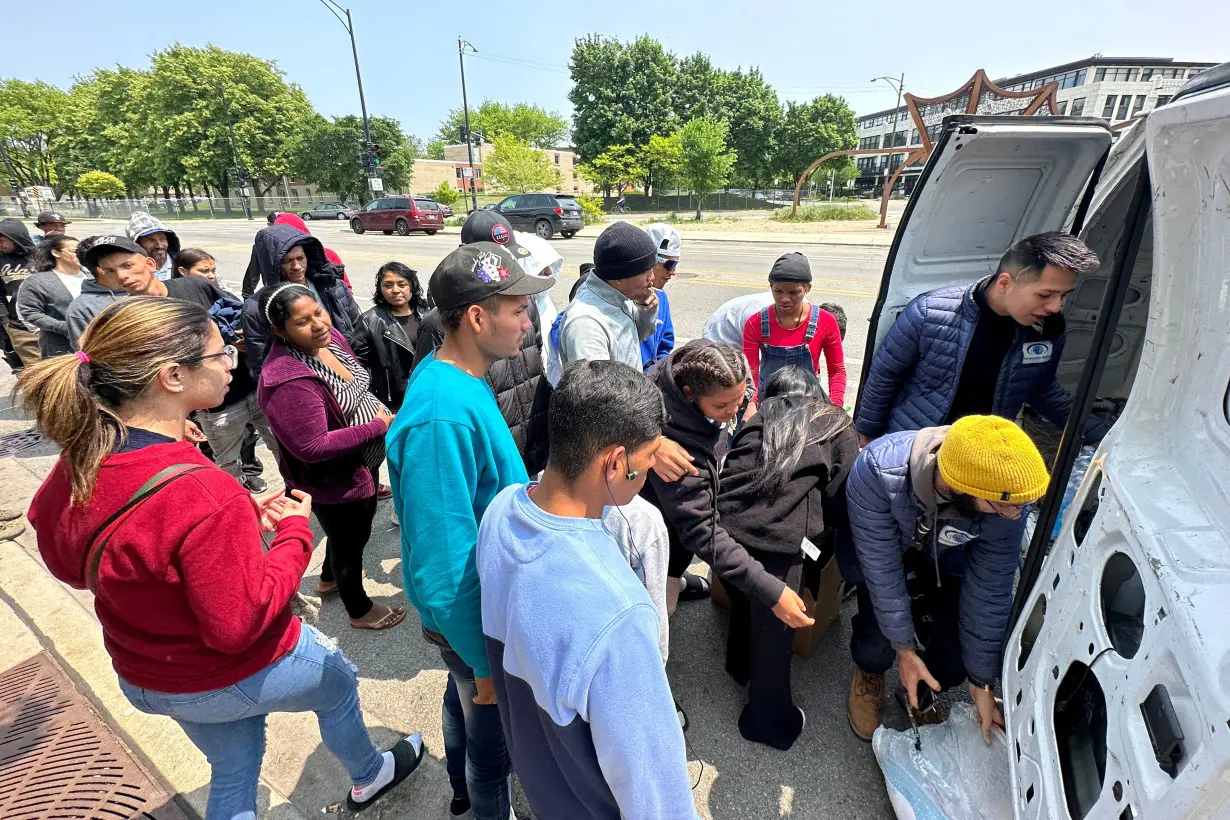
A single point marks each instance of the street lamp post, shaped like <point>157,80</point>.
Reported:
<point>899,85</point>
<point>462,45</point>
<point>348,24</point>
<point>238,171</point>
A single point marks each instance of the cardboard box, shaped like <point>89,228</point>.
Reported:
<point>824,605</point>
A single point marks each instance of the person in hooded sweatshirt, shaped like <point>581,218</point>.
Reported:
<point>15,249</point>
<point>286,254</point>
<point>252,276</point>
<point>159,241</point>
<point>782,492</point>
<point>98,292</point>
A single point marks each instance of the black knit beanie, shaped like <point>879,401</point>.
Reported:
<point>791,267</point>
<point>623,251</point>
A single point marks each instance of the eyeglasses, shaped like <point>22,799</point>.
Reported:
<point>230,352</point>
<point>669,264</point>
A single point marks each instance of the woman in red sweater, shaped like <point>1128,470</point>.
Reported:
<point>195,613</point>
<point>792,331</point>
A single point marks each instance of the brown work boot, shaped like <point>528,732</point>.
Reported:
<point>863,707</point>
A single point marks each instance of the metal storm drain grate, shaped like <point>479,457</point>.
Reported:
<point>59,760</point>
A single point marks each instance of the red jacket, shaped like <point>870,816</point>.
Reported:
<point>187,597</point>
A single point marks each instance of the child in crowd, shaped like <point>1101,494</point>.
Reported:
<point>782,487</point>
<point>571,634</point>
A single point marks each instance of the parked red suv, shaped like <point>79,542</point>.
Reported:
<point>400,214</point>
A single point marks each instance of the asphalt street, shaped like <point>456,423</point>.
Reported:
<point>828,773</point>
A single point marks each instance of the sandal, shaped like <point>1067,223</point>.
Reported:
<point>390,619</point>
<point>693,588</point>
<point>407,755</point>
<point>10,515</point>
<point>326,588</point>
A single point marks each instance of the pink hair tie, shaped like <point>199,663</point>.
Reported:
<point>83,356</point>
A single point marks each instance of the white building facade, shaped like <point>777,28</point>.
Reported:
<point>1116,89</point>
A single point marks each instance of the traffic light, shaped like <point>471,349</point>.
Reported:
<point>375,149</point>
<point>463,137</point>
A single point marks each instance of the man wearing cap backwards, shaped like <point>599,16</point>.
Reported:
<point>450,452</point>
<point>51,223</point>
<point>947,506</point>
<point>660,344</point>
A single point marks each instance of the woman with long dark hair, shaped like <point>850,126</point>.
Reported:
<point>330,432</point>
<point>42,302</point>
<point>195,613</point>
<point>391,327</point>
<point>782,488</point>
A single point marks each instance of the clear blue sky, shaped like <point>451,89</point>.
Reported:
<point>408,51</point>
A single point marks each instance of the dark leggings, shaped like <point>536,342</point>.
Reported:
<point>759,649</point>
<point>347,526</point>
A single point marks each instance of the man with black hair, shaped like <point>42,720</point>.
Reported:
<point>449,453</point>
<point>987,348</point>
<point>598,740</point>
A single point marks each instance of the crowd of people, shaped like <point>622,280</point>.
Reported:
<point>555,472</point>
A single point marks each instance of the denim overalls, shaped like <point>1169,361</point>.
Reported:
<point>774,357</point>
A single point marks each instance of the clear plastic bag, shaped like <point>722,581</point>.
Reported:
<point>955,776</point>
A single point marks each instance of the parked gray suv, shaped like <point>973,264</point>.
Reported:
<point>543,214</point>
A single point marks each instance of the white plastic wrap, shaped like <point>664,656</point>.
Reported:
<point>956,776</point>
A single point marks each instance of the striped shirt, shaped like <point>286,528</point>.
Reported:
<point>355,397</point>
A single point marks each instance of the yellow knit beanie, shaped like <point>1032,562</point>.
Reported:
<point>991,458</point>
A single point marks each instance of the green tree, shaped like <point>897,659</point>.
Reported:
<point>751,107</point>
<point>705,162</point>
<point>528,123</point>
<point>99,185</point>
<point>811,130</point>
<point>329,153</point>
<point>30,116</point>
<point>515,166</point>
<point>659,162</point>
<point>621,94</point>
<point>435,149</point>
<point>446,194</point>
<point>617,167</point>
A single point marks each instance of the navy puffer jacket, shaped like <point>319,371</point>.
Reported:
<point>884,513</point>
<point>915,371</point>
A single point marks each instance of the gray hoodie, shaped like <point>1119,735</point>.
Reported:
<point>141,224</point>
<point>93,300</point>
<point>601,324</point>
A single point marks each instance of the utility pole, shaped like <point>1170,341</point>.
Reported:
<point>899,84</point>
<point>239,171</point>
<point>369,168</point>
<point>465,106</point>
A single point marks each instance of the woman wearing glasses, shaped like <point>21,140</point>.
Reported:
<point>195,613</point>
<point>662,342</point>
<point>330,430</point>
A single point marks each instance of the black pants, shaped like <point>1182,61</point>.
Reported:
<point>759,649</point>
<point>936,612</point>
<point>251,465</point>
<point>348,527</point>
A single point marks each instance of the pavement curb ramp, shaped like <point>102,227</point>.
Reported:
<point>39,614</point>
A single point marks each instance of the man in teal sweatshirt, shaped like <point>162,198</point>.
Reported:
<point>450,452</point>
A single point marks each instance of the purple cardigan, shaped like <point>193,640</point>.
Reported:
<point>317,452</point>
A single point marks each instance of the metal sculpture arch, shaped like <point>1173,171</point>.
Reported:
<point>979,95</point>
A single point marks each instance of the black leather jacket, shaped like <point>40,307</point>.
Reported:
<point>389,354</point>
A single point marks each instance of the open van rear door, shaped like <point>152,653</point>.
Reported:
<point>990,181</point>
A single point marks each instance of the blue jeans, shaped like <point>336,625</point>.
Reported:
<point>474,750</point>
<point>228,724</point>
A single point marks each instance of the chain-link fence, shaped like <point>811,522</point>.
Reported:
<point>735,199</point>
<point>183,208</point>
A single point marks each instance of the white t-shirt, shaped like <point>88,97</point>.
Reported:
<point>72,282</point>
<point>725,326</point>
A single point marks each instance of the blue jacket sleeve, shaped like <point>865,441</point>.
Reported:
<point>666,337</point>
<point>894,360</point>
<point>440,568</point>
<point>986,596</point>
<point>623,694</point>
<point>877,544</point>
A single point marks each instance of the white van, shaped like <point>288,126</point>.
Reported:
<point>1116,675</point>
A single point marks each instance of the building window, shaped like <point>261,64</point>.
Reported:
<point>458,170</point>
<point>557,159</point>
<point>1162,99</point>
<point>1078,107</point>
<point>1191,73</point>
<point>1117,75</point>
<point>294,194</point>
<point>915,137</point>
<point>1125,102</point>
<point>1108,110</point>
<point>1063,107</point>
<point>869,142</point>
<point>1139,105</point>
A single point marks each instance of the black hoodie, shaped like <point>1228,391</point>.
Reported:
<point>14,266</point>
<point>690,504</point>
<point>272,245</point>
<point>813,498</point>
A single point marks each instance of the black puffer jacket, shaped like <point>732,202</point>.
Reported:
<point>813,498</point>
<point>390,353</point>
<point>689,505</point>
<point>519,384</point>
<point>272,244</point>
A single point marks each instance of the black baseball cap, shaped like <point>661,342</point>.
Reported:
<point>50,216</point>
<point>476,271</point>
<point>489,225</point>
<point>93,248</point>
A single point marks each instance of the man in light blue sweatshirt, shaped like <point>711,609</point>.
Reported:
<point>571,633</point>
<point>450,451</point>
